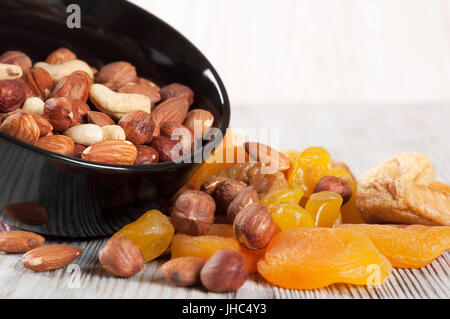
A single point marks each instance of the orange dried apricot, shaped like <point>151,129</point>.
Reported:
<point>224,230</point>
<point>308,168</point>
<point>412,246</point>
<point>289,215</point>
<point>151,233</point>
<point>205,246</point>
<point>309,258</point>
<point>283,196</point>
<point>325,207</point>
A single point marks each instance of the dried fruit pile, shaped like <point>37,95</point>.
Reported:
<point>290,217</point>
<point>109,116</point>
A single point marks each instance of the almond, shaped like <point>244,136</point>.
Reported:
<point>99,118</point>
<point>60,144</point>
<point>268,156</point>
<point>50,257</point>
<point>116,74</point>
<point>29,213</point>
<point>138,126</point>
<point>121,257</point>
<point>22,126</point>
<point>79,148</point>
<point>17,241</point>
<point>39,81</point>
<point>199,122</point>
<point>151,91</point>
<point>174,109</point>
<point>177,90</point>
<point>114,152</point>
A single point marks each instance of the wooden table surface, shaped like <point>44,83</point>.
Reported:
<point>359,135</point>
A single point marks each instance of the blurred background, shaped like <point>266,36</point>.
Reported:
<point>350,75</point>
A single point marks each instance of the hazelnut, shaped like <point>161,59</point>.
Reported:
<point>224,271</point>
<point>99,118</point>
<point>166,148</point>
<point>211,184</point>
<point>75,86</point>
<point>199,122</point>
<point>78,149</point>
<point>336,185</point>
<point>254,227</point>
<point>44,125</point>
<point>116,74</point>
<point>120,257</point>
<point>17,58</point>
<point>60,55</point>
<point>12,95</point>
<point>193,212</point>
<point>244,198</point>
<point>176,90</point>
<point>138,126</point>
<point>225,193</point>
<point>146,155</point>
<point>80,111</point>
<point>180,133</point>
<point>39,82</point>
<point>151,91</point>
<point>183,271</point>
<point>22,126</point>
<point>59,112</point>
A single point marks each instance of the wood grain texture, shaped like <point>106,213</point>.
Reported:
<point>359,135</point>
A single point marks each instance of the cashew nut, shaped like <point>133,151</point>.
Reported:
<point>10,71</point>
<point>117,104</point>
<point>113,132</point>
<point>85,134</point>
<point>34,105</point>
<point>58,71</point>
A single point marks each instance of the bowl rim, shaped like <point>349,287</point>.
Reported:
<point>210,146</point>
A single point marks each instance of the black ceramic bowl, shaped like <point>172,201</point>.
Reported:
<point>85,199</point>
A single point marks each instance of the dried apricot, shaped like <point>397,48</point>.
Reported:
<point>325,207</point>
<point>308,167</point>
<point>283,196</point>
<point>290,215</point>
<point>224,230</point>
<point>309,258</point>
<point>205,246</point>
<point>151,233</point>
<point>412,246</point>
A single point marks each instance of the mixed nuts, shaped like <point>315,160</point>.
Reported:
<point>112,113</point>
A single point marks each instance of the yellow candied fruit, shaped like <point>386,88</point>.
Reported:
<point>308,168</point>
<point>151,233</point>
<point>289,215</point>
<point>325,207</point>
<point>283,196</point>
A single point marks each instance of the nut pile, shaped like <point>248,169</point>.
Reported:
<point>109,116</point>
